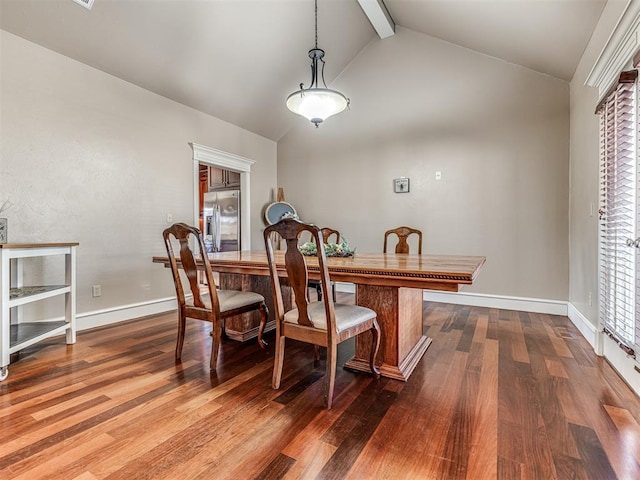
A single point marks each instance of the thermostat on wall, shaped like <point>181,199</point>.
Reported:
<point>401,185</point>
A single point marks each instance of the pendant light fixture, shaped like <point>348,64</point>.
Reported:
<point>317,103</point>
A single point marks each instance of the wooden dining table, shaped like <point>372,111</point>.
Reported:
<point>389,284</point>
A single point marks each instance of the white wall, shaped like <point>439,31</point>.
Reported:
<point>90,158</point>
<point>499,133</point>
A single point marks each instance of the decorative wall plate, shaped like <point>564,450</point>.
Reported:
<point>277,210</point>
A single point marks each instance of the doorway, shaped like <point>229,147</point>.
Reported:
<point>220,200</point>
<point>240,166</point>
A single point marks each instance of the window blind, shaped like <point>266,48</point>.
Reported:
<point>618,213</point>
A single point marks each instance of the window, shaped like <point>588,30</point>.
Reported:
<point>619,213</point>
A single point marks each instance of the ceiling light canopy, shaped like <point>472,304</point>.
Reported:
<point>317,103</point>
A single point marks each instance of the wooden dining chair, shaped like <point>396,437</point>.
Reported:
<point>327,233</point>
<point>209,304</point>
<point>322,323</point>
<point>403,233</point>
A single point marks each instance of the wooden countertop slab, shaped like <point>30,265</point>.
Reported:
<point>38,245</point>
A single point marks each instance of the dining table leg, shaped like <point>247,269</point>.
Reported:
<point>402,344</point>
<point>245,326</point>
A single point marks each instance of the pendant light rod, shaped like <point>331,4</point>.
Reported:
<point>316,55</point>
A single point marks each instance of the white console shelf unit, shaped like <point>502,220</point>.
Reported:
<point>15,334</point>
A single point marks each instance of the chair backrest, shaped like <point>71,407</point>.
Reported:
<point>327,233</point>
<point>184,233</point>
<point>402,233</point>
<point>290,230</point>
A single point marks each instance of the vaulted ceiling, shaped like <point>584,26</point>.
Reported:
<point>239,59</point>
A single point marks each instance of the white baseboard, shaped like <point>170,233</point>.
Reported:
<point>587,329</point>
<point>345,287</point>
<point>99,318</point>
<point>121,313</point>
<point>537,305</point>
<point>621,362</point>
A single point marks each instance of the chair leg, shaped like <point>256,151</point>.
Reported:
<point>333,290</point>
<point>375,345</point>
<point>316,353</point>
<point>264,315</point>
<point>215,344</point>
<point>319,292</point>
<point>279,361</point>
<point>330,376</point>
<point>224,330</point>
<point>181,330</point>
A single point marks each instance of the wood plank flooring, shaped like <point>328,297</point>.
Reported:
<point>499,394</point>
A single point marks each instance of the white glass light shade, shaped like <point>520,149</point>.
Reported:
<point>317,104</point>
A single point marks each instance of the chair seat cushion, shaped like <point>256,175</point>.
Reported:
<point>232,299</point>
<point>347,316</point>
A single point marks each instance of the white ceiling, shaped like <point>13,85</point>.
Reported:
<point>239,59</point>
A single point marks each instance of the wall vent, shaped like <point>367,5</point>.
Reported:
<point>85,3</point>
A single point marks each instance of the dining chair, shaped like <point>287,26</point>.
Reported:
<point>327,233</point>
<point>324,323</point>
<point>206,303</point>
<point>403,233</point>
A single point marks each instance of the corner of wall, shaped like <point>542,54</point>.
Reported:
<point>586,328</point>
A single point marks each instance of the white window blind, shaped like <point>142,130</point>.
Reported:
<point>619,213</point>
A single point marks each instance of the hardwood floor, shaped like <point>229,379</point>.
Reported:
<point>499,394</point>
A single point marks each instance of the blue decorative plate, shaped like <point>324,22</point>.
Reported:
<point>277,210</point>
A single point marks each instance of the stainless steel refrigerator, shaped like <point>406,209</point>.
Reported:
<point>222,220</point>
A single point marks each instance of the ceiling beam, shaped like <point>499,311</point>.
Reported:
<point>380,18</point>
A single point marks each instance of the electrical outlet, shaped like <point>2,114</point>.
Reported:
<point>438,175</point>
<point>169,218</point>
<point>96,291</point>
<point>590,299</point>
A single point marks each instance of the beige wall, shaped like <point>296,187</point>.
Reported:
<point>85,156</point>
<point>583,245</point>
<point>499,133</point>
<point>88,157</point>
